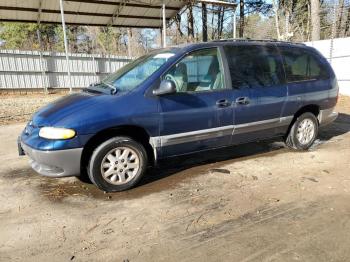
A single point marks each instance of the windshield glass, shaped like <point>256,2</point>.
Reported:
<point>134,73</point>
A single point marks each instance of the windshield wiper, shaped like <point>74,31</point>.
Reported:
<point>114,89</point>
<point>94,86</point>
<point>91,89</point>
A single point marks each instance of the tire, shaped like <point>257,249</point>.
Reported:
<point>303,132</point>
<point>117,164</point>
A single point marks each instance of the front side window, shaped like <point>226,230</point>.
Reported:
<point>254,66</point>
<point>301,66</point>
<point>199,71</point>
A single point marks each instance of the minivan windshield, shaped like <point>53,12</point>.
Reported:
<point>133,74</point>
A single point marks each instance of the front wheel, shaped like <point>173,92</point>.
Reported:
<point>303,132</point>
<point>117,164</point>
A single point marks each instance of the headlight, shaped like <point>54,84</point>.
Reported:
<point>56,133</point>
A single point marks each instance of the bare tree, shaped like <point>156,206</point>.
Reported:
<point>276,20</point>
<point>340,16</point>
<point>178,24</point>
<point>212,26</point>
<point>308,22</point>
<point>241,18</point>
<point>347,23</point>
<point>130,40</point>
<point>315,20</point>
<point>221,15</point>
<point>204,22</point>
<point>190,29</point>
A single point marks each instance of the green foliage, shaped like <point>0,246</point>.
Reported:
<point>81,39</point>
<point>105,39</point>
<point>18,35</point>
<point>24,36</point>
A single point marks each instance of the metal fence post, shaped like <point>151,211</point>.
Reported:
<point>66,46</point>
<point>41,61</point>
<point>334,26</point>
<point>234,23</point>
<point>164,25</point>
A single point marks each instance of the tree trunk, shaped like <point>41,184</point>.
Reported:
<point>73,41</point>
<point>190,21</point>
<point>221,21</point>
<point>204,23</point>
<point>340,16</point>
<point>315,20</point>
<point>308,22</point>
<point>129,42</point>
<point>347,24</point>
<point>287,25</point>
<point>241,18</point>
<point>276,20</point>
<point>212,26</point>
<point>178,24</point>
<point>218,22</point>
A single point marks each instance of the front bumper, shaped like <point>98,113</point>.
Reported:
<point>56,163</point>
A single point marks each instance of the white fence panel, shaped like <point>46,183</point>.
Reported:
<point>25,69</point>
<point>339,57</point>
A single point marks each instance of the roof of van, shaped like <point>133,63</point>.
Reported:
<point>262,41</point>
<point>238,41</point>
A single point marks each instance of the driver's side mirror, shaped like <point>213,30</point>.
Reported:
<point>166,87</point>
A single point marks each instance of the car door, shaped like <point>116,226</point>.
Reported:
<point>199,115</point>
<point>260,92</point>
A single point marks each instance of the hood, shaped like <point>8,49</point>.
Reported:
<point>87,112</point>
<point>69,105</point>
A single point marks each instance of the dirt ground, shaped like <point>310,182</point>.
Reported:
<point>16,108</point>
<point>254,202</point>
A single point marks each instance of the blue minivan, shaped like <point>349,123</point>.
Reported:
<point>180,100</point>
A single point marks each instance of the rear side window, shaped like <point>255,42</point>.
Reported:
<point>301,65</point>
<point>254,66</point>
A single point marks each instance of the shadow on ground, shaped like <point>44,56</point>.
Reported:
<point>239,152</point>
<point>339,127</point>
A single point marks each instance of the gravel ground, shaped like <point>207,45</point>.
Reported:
<point>18,108</point>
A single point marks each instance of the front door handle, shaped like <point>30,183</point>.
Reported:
<point>242,100</point>
<point>223,103</point>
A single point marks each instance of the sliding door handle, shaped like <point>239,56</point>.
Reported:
<point>242,100</point>
<point>223,103</point>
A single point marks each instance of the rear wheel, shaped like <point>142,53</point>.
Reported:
<point>303,132</point>
<point>117,164</point>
